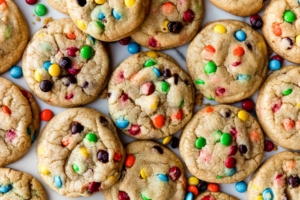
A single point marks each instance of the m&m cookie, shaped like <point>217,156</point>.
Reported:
<point>65,67</point>
<point>277,178</point>
<point>150,96</point>
<point>108,20</point>
<point>79,153</point>
<point>227,60</point>
<point>222,144</point>
<point>13,34</point>
<point>214,196</point>
<point>278,107</point>
<point>170,24</point>
<point>151,171</point>
<point>280,29</point>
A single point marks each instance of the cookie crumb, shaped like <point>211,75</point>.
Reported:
<point>38,19</point>
<point>47,20</point>
<point>33,15</point>
<point>33,23</point>
<point>275,148</point>
<point>199,99</point>
<point>103,95</point>
<point>207,105</point>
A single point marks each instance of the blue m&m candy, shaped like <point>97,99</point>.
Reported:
<point>240,35</point>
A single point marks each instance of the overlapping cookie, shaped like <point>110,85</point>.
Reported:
<point>277,178</point>
<point>60,5</point>
<point>19,185</point>
<point>151,172</point>
<point>108,20</point>
<point>150,96</point>
<point>214,196</point>
<point>19,115</point>
<point>222,144</point>
<point>79,153</point>
<point>65,67</point>
<point>13,34</point>
<point>280,29</point>
<point>278,106</point>
<point>227,61</point>
<point>170,24</point>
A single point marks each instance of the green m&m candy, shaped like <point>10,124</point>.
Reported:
<point>287,92</point>
<point>91,137</point>
<point>165,86</point>
<point>289,16</point>
<point>210,68</point>
<point>200,142</point>
<point>226,139</point>
<point>86,52</point>
<point>40,9</point>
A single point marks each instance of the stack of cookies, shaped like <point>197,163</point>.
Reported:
<point>150,97</point>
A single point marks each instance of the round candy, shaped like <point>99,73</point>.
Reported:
<point>46,115</point>
<point>241,187</point>
<point>200,142</point>
<point>174,142</point>
<point>163,177</point>
<point>58,182</point>
<point>125,41</point>
<point>226,139</point>
<point>129,161</point>
<point>16,72</point>
<point>269,146</point>
<point>193,180</point>
<point>220,29</point>
<point>40,10</point>
<point>103,156</point>
<point>54,70</point>
<point>65,63</point>
<point>46,85</point>
<point>133,47</point>
<point>278,57</point>
<point>86,52</point>
<point>256,22</point>
<point>129,3</point>
<point>248,104</point>
<point>5,188</point>
<point>230,171</point>
<point>122,123</point>
<point>91,137</point>
<point>202,186</point>
<point>47,64</point>
<point>210,68</point>
<point>167,140</point>
<point>213,187</point>
<point>274,65</point>
<point>31,2</point>
<point>123,196</point>
<point>188,16</point>
<point>240,35</point>
<point>116,14</point>
<point>289,16</point>
<point>268,194</point>
<point>230,162</point>
<point>189,196</point>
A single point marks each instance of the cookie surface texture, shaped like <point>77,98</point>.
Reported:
<point>150,96</point>
<point>60,5</point>
<point>277,178</point>
<point>13,34</point>
<point>170,24</point>
<point>278,105</point>
<point>227,61</point>
<point>19,185</point>
<point>108,20</point>
<point>240,7</point>
<point>280,22</point>
<point>155,171</point>
<point>79,153</point>
<point>65,67</point>
<point>222,144</point>
<point>17,127</point>
<point>214,196</point>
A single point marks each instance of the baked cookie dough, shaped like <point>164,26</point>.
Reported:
<point>278,178</point>
<point>170,24</point>
<point>108,20</point>
<point>19,185</point>
<point>280,28</point>
<point>227,61</point>
<point>13,34</point>
<point>214,196</point>
<point>240,7</point>
<point>17,128</point>
<point>150,96</point>
<point>151,171</point>
<point>278,106</point>
<point>60,5</point>
<point>79,153</point>
<point>65,67</point>
<point>222,144</point>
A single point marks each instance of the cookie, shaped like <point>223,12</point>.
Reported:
<point>214,196</point>
<point>240,8</point>
<point>108,20</point>
<point>222,144</point>
<point>13,34</point>
<point>19,185</point>
<point>65,67</point>
<point>151,171</point>
<point>277,178</point>
<point>227,61</point>
<point>280,28</point>
<point>17,128</point>
<point>79,153</point>
<point>150,96</point>
<point>170,24</point>
<point>60,5</point>
<point>278,105</point>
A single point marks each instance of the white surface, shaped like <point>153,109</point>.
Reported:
<point>118,53</point>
